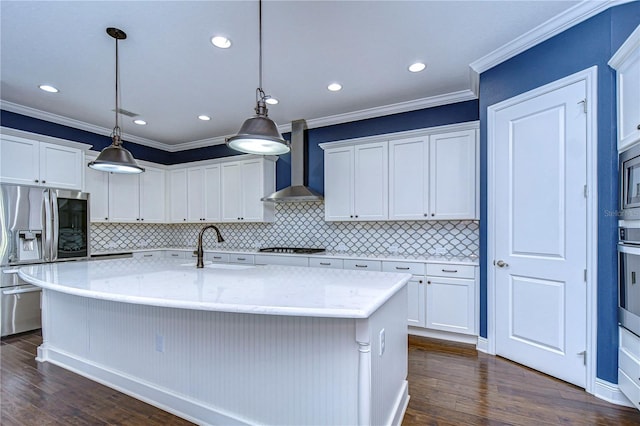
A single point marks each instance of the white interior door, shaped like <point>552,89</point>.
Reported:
<point>540,249</point>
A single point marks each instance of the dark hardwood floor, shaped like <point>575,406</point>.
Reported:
<point>449,384</point>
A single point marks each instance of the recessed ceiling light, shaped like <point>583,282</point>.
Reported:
<point>334,87</point>
<point>221,42</point>
<point>48,88</point>
<point>204,117</point>
<point>417,67</point>
<point>140,122</point>
<point>271,100</point>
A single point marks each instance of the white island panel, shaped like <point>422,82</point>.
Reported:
<point>215,366</point>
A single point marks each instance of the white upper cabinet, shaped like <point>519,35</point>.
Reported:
<point>152,195</point>
<point>409,179</point>
<point>97,184</point>
<point>431,175</point>
<point>626,62</point>
<point>212,194</point>
<point>452,175</point>
<point>356,182</point>
<point>30,162</point>
<point>243,184</point>
<point>126,197</point>
<point>195,194</point>
<point>178,195</point>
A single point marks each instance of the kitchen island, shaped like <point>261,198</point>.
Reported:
<point>232,344</point>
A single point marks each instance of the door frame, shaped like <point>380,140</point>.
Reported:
<point>590,77</point>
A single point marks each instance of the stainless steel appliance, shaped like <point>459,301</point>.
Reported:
<point>294,250</point>
<point>630,184</point>
<point>37,225</point>
<point>629,279</point>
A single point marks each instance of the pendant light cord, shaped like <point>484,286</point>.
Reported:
<point>260,43</point>
<point>117,133</point>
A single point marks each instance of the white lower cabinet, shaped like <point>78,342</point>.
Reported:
<point>262,259</point>
<point>416,310</point>
<point>629,366</point>
<point>451,298</point>
<point>319,262</point>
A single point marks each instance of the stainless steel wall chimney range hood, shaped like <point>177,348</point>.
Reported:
<point>297,192</point>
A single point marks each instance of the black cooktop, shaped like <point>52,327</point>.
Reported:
<point>295,250</point>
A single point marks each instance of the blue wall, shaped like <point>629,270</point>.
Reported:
<point>428,117</point>
<point>590,43</point>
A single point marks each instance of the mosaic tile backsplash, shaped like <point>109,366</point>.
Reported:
<point>300,225</point>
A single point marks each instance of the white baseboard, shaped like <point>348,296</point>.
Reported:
<point>444,335</point>
<point>400,407</point>
<point>483,345</point>
<point>611,393</point>
<point>134,387</point>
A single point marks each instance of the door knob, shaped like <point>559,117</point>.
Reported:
<point>501,263</point>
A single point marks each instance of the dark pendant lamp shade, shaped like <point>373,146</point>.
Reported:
<point>114,158</point>
<point>259,134</point>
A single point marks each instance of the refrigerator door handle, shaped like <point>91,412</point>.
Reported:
<point>46,228</point>
<point>55,232</point>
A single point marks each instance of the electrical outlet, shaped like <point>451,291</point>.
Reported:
<point>381,346</point>
<point>341,247</point>
<point>393,248</point>
<point>159,343</point>
<point>441,251</point>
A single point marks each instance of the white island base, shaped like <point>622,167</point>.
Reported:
<point>236,368</point>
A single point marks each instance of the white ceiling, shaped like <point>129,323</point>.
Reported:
<point>170,72</point>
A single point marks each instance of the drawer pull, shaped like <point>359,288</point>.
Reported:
<point>452,271</point>
<point>402,268</point>
<point>174,254</point>
<point>361,266</point>
<point>325,263</point>
<point>217,257</point>
<point>241,258</point>
<point>147,255</point>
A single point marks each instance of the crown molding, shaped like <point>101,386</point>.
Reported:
<point>565,20</point>
<point>76,124</point>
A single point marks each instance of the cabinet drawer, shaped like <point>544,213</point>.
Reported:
<point>316,262</point>
<point>217,257</point>
<point>363,265</point>
<point>408,267</point>
<point>262,259</point>
<point>630,342</point>
<point>241,258</point>
<point>453,271</point>
<point>629,388</point>
<point>630,366</point>
<point>175,254</point>
<point>147,254</point>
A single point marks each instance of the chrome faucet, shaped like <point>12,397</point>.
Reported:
<point>200,251</point>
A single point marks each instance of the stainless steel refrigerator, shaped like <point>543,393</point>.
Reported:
<point>37,225</point>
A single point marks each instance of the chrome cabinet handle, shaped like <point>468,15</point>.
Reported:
<point>501,264</point>
<point>452,271</point>
<point>241,258</point>
<point>402,269</point>
<point>325,263</point>
<point>361,266</point>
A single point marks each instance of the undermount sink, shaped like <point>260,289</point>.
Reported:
<point>231,266</point>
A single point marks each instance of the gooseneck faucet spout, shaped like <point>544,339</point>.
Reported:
<point>200,251</point>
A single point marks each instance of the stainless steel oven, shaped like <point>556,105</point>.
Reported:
<point>629,163</point>
<point>629,279</point>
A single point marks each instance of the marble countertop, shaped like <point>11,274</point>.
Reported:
<point>397,257</point>
<point>177,283</point>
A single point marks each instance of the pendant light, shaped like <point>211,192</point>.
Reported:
<point>115,158</point>
<point>259,134</point>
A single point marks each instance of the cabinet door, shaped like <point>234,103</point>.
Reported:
<point>178,196</point>
<point>124,197</point>
<point>152,195</point>
<point>452,182</point>
<point>338,184</point>
<point>195,194</point>
<point>252,191</point>
<point>61,166</point>
<point>19,161</point>
<point>416,300</point>
<point>409,179</point>
<point>628,90</point>
<point>97,184</point>
<point>371,176</point>
<point>212,194</point>
<point>451,304</point>
<point>231,177</point>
